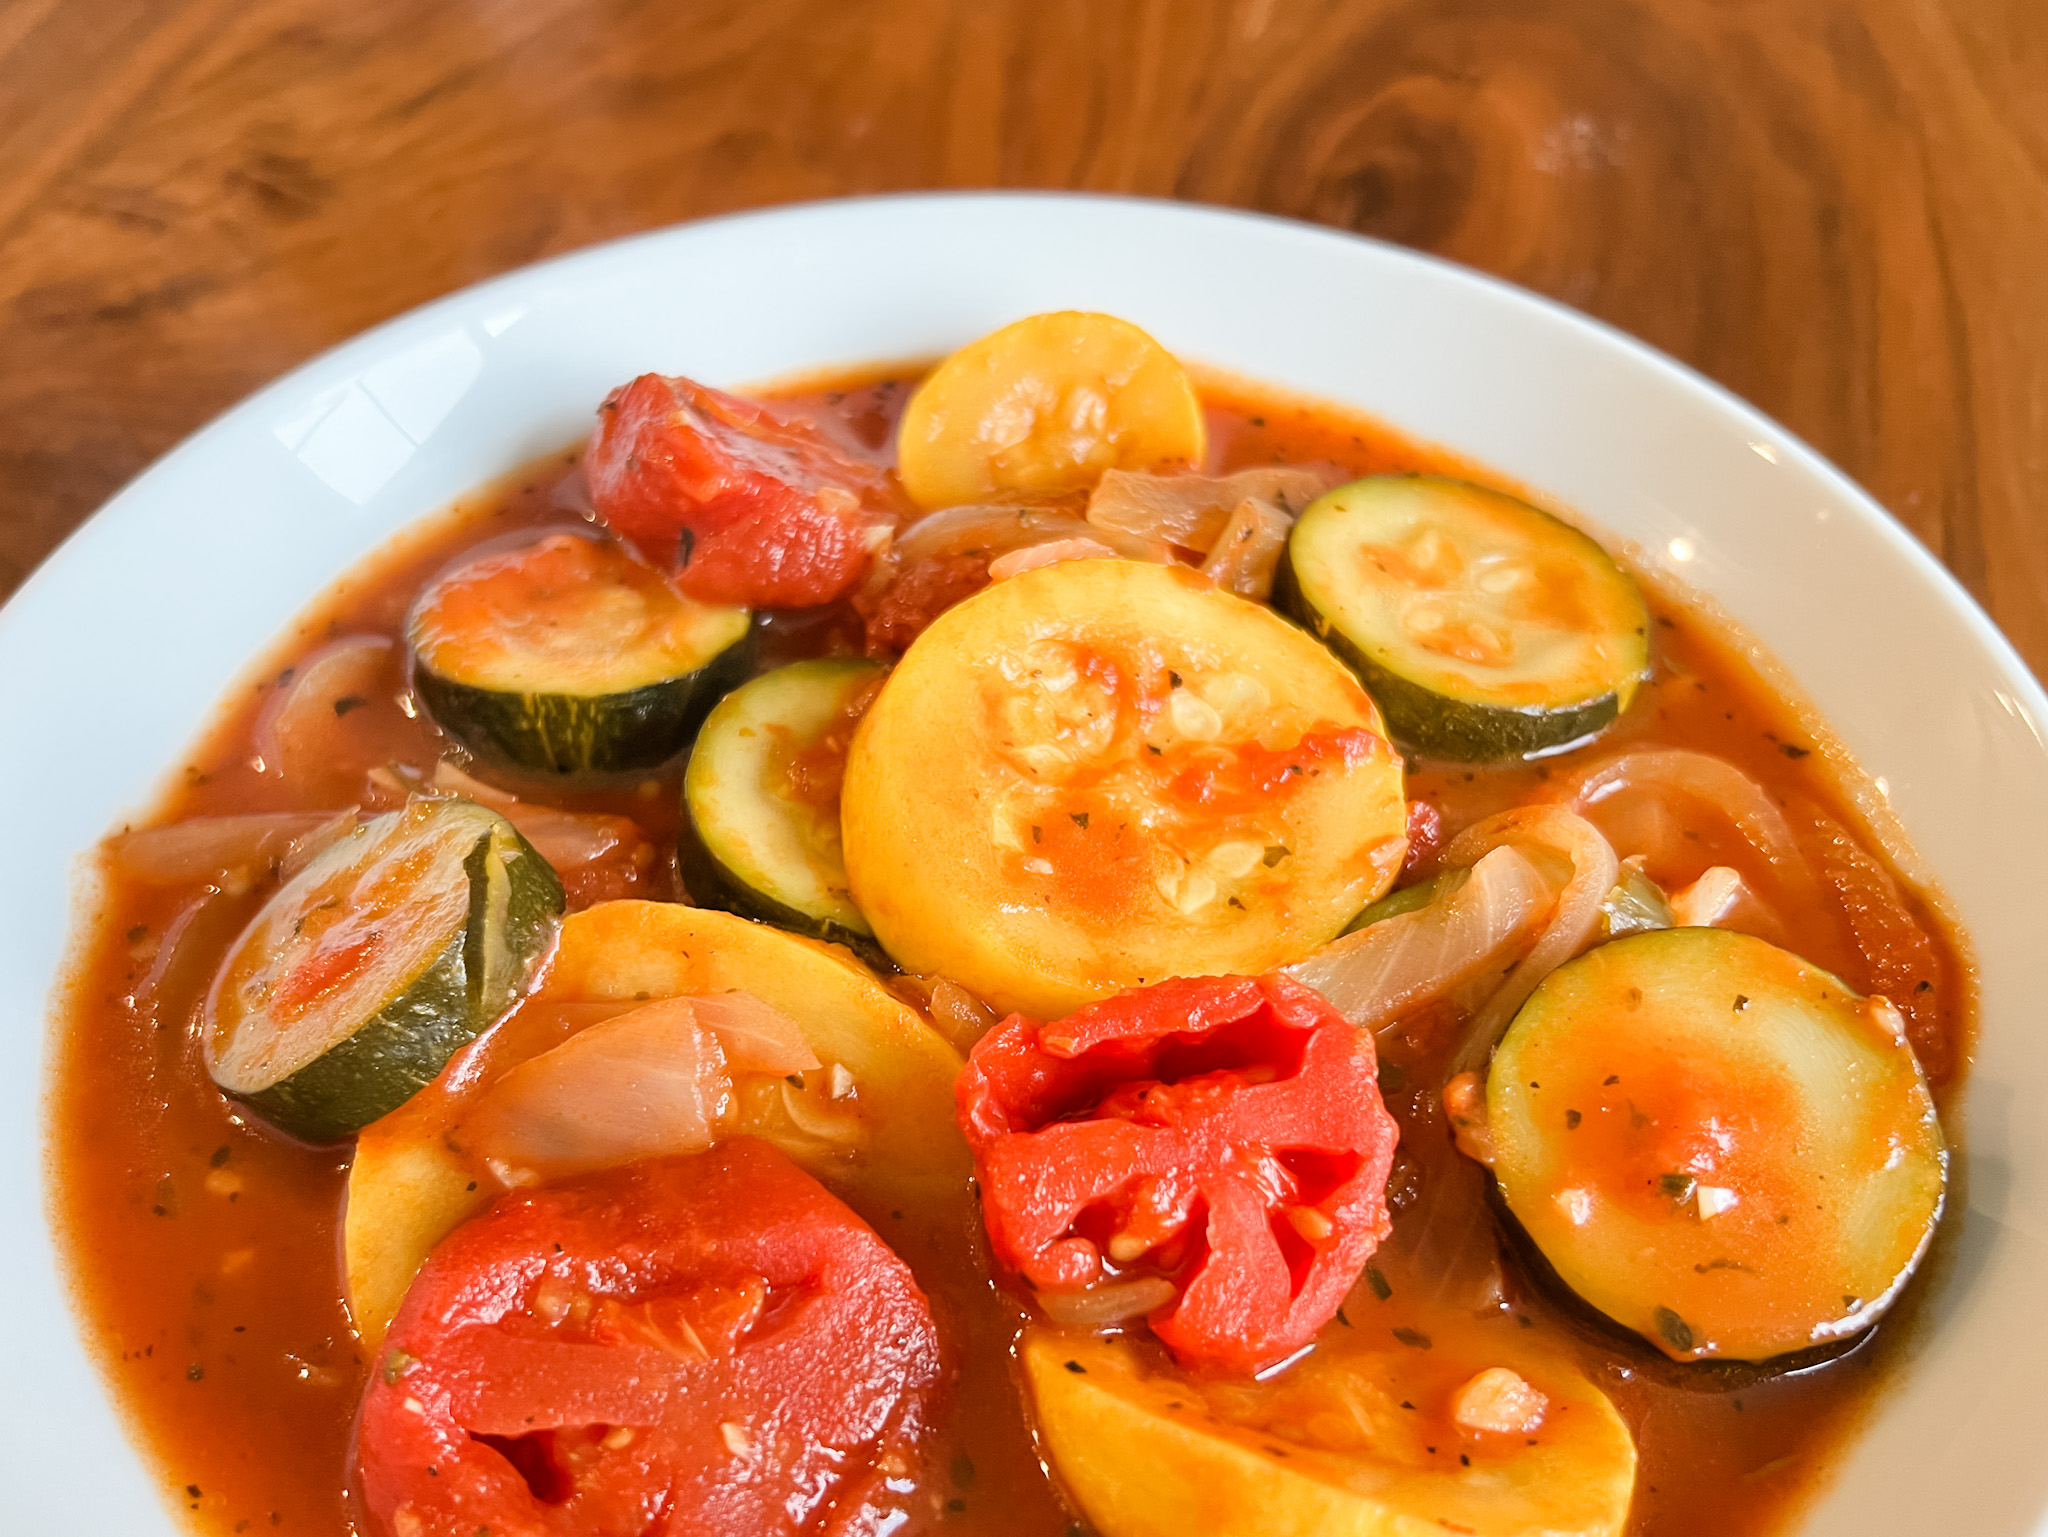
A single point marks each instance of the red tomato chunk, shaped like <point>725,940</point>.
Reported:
<point>731,501</point>
<point>1224,1132</point>
<point>709,1345</point>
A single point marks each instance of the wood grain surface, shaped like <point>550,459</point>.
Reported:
<point>1837,208</point>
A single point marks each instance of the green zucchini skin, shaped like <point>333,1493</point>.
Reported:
<point>722,796</point>
<point>1433,722</point>
<point>1636,905</point>
<point>1407,899</point>
<point>711,884</point>
<point>1440,728</point>
<point>1764,1084</point>
<point>382,1065</point>
<point>515,899</point>
<point>571,736</point>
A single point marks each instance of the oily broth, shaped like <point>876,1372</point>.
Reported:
<point>204,1249</point>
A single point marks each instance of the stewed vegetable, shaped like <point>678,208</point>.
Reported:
<point>1484,627</point>
<point>875,1095</point>
<point>568,657</point>
<point>762,797</point>
<point>689,1220</point>
<point>1715,1143</point>
<point>1103,773</point>
<point>731,501</point>
<point>1222,1135</point>
<point>715,1338</point>
<point>1348,1441</point>
<point>368,969</point>
<point>1045,406</point>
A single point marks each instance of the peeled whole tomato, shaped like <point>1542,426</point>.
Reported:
<point>1103,773</point>
<point>714,1338</point>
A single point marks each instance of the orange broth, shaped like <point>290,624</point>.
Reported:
<point>203,1248</point>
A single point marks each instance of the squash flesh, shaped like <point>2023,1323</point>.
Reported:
<point>408,1186</point>
<point>1324,1450</point>
<point>1044,407</point>
<point>1141,777</point>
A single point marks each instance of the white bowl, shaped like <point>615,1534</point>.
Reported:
<point>116,651</point>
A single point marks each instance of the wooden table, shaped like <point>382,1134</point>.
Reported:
<point>1837,208</point>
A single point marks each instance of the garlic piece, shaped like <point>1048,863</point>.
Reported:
<point>1194,718</point>
<point>1235,859</point>
<point>1499,1401</point>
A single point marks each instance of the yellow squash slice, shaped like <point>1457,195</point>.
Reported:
<point>1345,1444</point>
<point>1103,773</point>
<point>1044,406</point>
<point>411,1184</point>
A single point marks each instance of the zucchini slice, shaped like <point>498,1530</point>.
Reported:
<point>411,1183</point>
<point>1357,1442</point>
<point>567,656</point>
<point>1716,1144</point>
<point>1485,628</point>
<point>361,977</point>
<point>1103,773</point>
<point>762,798</point>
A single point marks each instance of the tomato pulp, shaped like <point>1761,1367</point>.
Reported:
<point>710,1346</point>
<point>735,504</point>
<point>1225,1132</point>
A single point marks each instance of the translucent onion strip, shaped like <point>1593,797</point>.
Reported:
<point>188,852</point>
<point>1192,511</point>
<point>1113,1303</point>
<point>299,735</point>
<point>565,839</point>
<point>1573,922</point>
<point>1247,553</point>
<point>992,531</point>
<point>755,1037</point>
<point>1032,556</point>
<point>646,1084</point>
<point>1391,968</point>
<point>1713,782</point>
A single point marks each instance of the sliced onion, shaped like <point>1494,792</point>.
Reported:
<point>1450,1240</point>
<point>1391,968</point>
<point>450,780</point>
<point>994,530</point>
<point>1247,553</point>
<point>1052,552</point>
<point>650,1083</point>
<point>185,853</point>
<point>755,1037</point>
<point>1712,900</point>
<point>565,839</point>
<point>1114,1302</point>
<point>1713,782</point>
<point>1573,922</point>
<point>961,1017</point>
<point>298,736</point>
<point>1192,511</point>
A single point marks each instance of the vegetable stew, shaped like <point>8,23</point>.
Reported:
<point>1208,967</point>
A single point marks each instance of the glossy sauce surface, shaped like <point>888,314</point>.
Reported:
<point>204,1248</point>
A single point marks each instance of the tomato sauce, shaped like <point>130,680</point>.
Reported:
<point>203,1248</point>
